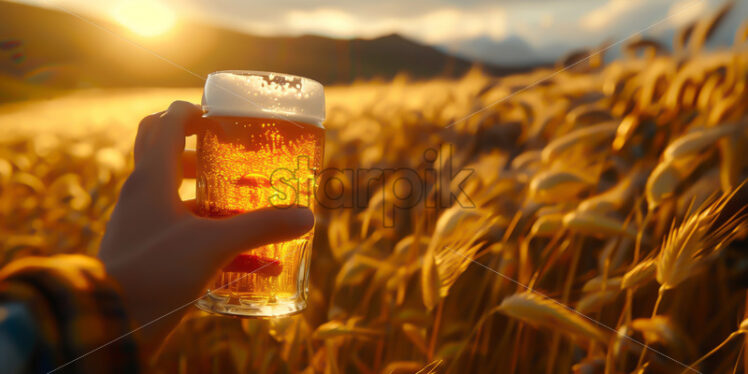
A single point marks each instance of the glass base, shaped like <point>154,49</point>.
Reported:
<point>250,308</point>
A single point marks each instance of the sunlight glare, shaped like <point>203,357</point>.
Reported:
<point>144,17</point>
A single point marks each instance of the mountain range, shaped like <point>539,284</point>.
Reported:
<point>40,46</point>
<point>514,50</point>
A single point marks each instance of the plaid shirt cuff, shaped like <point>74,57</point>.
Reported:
<point>77,312</point>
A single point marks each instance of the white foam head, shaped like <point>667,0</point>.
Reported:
<point>259,94</point>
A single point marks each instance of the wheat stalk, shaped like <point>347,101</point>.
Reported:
<point>537,310</point>
<point>688,246</point>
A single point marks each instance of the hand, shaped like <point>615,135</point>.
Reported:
<point>162,254</point>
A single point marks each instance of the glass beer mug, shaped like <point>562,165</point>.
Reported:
<point>265,151</point>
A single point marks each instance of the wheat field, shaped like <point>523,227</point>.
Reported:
<point>606,232</point>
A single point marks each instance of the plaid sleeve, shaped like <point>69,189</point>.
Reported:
<point>74,312</point>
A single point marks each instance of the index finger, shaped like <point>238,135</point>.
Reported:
<point>161,139</point>
<point>180,120</point>
<point>161,135</point>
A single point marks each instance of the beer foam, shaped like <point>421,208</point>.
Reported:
<point>261,94</point>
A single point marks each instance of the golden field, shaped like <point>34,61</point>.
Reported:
<point>607,233</point>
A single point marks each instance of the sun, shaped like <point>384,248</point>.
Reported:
<point>144,17</point>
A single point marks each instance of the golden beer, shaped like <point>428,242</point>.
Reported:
<point>265,157</point>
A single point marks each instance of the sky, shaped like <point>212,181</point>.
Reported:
<point>542,25</point>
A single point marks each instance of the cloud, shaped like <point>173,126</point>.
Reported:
<point>656,17</point>
<point>331,22</point>
<point>610,13</point>
<point>436,26</point>
<point>685,11</point>
<point>546,20</point>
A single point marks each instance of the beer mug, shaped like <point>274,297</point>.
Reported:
<point>265,151</point>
